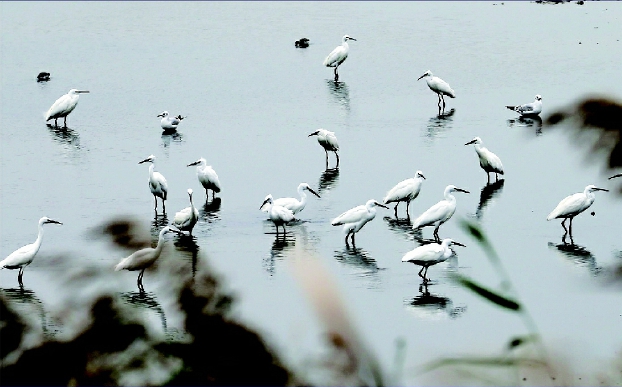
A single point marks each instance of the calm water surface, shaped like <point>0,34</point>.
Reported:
<point>251,99</point>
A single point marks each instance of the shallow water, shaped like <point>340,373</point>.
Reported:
<point>252,98</point>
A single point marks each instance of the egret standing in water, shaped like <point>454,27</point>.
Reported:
<point>489,161</point>
<point>528,109</point>
<point>354,219</point>
<point>63,106</point>
<point>293,204</point>
<point>207,177</point>
<point>439,213</point>
<point>429,255</point>
<point>573,205</point>
<point>157,184</point>
<point>328,141</point>
<point>338,55</point>
<point>440,87</point>
<point>187,218</point>
<point>279,215</point>
<point>24,256</point>
<point>142,259</point>
<point>169,123</point>
<point>405,191</point>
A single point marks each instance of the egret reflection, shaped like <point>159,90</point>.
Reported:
<point>210,210</point>
<point>328,180</point>
<point>146,301</point>
<point>65,136</point>
<point>439,123</point>
<point>489,192</point>
<point>401,227</point>
<point>188,250</point>
<point>428,305</point>
<point>25,300</point>
<point>157,223</point>
<point>534,122</point>
<point>340,92</point>
<point>578,255</point>
<point>361,260</point>
<point>280,247</point>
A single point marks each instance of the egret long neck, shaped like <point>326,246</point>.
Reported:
<point>160,245</point>
<point>151,170</point>
<point>448,196</point>
<point>37,243</point>
<point>303,195</point>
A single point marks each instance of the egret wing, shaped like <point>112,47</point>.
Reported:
<point>439,211</point>
<point>182,216</point>
<point>137,260</point>
<point>441,86</point>
<point>338,55</point>
<point>209,179</point>
<point>351,216</point>
<point>425,253</point>
<point>331,139</point>
<point>401,191</point>
<point>288,203</point>
<point>61,107</point>
<point>19,257</point>
<point>572,204</point>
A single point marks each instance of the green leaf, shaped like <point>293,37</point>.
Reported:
<point>487,293</point>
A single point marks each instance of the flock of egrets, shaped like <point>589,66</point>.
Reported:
<point>284,210</point>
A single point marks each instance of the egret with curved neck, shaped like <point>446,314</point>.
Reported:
<point>279,215</point>
<point>157,184</point>
<point>207,177</point>
<point>489,161</point>
<point>63,106</point>
<point>439,213</point>
<point>338,55</point>
<point>573,205</point>
<point>187,218</point>
<point>354,219</point>
<point>429,255</point>
<point>293,204</point>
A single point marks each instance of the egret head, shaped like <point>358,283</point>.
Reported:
<point>308,188</point>
<point>593,188</point>
<point>163,114</point>
<point>46,220</point>
<point>538,97</point>
<point>419,174</point>
<point>450,242</point>
<point>346,38</point>
<point>476,140</point>
<point>190,192</point>
<point>149,159</point>
<point>267,200</point>
<point>426,74</point>
<point>373,203</point>
<point>317,132</point>
<point>76,91</point>
<point>200,161</point>
<point>453,188</point>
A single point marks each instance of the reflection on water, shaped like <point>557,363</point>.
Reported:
<point>418,237</point>
<point>157,223</point>
<point>489,191</point>
<point>25,301</point>
<point>439,124</point>
<point>362,262</point>
<point>527,122</point>
<point>68,138</point>
<point>188,250</point>
<point>168,137</point>
<point>280,247</point>
<point>433,306</point>
<point>328,180</point>
<point>578,255</point>
<point>401,227</point>
<point>340,92</point>
<point>210,210</point>
<point>147,301</point>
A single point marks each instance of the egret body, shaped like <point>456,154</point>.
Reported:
<point>489,161</point>
<point>157,183</point>
<point>429,255</point>
<point>279,215</point>
<point>439,213</point>
<point>405,191</point>
<point>187,218</point>
<point>354,219</point>
<point>63,106</point>
<point>207,177</point>
<point>528,109</point>
<point>338,55</point>
<point>328,141</point>
<point>573,205</point>
<point>293,204</point>
<point>440,87</point>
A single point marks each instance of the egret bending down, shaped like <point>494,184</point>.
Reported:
<point>338,55</point>
<point>573,205</point>
<point>405,191</point>
<point>328,141</point>
<point>279,215</point>
<point>187,218</point>
<point>24,256</point>
<point>528,109</point>
<point>354,219</point>
<point>142,259</point>
<point>429,255</point>
<point>439,213</point>
<point>489,161</point>
<point>207,177</point>
<point>63,106</point>
<point>169,123</point>
<point>293,204</point>
<point>440,87</point>
<point>157,183</point>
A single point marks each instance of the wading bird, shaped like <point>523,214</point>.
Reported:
<point>489,161</point>
<point>142,259</point>
<point>169,123</point>
<point>157,184</point>
<point>63,106</point>
<point>528,109</point>
<point>293,204</point>
<point>573,205</point>
<point>405,191</point>
<point>429,255</point>
<point>440,87</point>
<point>354,219</point>
<point>24,256</point>
<point>328,141</point>
<point>439,213</point>
<point>207,177</point>
<point>279,215</point>
<point>338,55</point>
<point>186,218</point>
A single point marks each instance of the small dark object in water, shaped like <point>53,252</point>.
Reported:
<point>302,43</point>
<point>580,2</point>
<point>43,77</point>
<point>593,213</point>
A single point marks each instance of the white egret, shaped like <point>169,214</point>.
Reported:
<point>440,87</point>
<point>354,219</point>
<point>429,255</point>
<point>405,191</point>
<point>207,177</point>
<point>168,122</point>
<point>528,109</point>
<point>338,55</point>
<point>573,205</point>
<point>293,204</point>
<point>43,76</point>
<point>157,183</point>
<point>24,256</point>
<point>279,215</point>
<point>328,141</point>
<point>439,213</point>
<point>142,259</point>
<point>489,161</point>
<point>187,218</point>
<point>64,105</point>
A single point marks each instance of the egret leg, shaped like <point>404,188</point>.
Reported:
<point>213,195</point>
<point>163,207</point>
<point>564,225</point>
<point>396,209</point>
<point>336,74</point>
<point>56,122</point>
<point>425,274</point>
<point>65,122</point>
<point>353,242</point>
<point>407,207</point>
<point>496,177</point>
<point>20,275</point>
<point>139,282</point>
<point>155,199</point>
<point>337,156</point>
<point>439,102</point>
<point>347,235</point>
<point>436,237</point>
<point>284,232</point>
<point>570,228</point>
<point>206,194</point>
<point>421,271</point>
<point>325,151</point>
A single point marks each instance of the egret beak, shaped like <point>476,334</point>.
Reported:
<point>614,176</point>
<point>457,243</point>
<point>82,91</point>
<point>423,177</point>
<point>53,221</point>
<point>160,115</point>
<point>313,192</point>
<point>381,205</point>
<point>462,190</point>
<point>421,77</point>
<point>352,39</point>
<point>263,204</point>
<point>314,134</point>
<point>195,163</point>
<point>470,142</point>
<point>601,189</point>
<point>144,161</point>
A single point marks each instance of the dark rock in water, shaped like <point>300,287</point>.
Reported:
<point>302,43</point>
<point>43,77</point>
<point>580,2</point>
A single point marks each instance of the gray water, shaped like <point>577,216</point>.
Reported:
<point>252,98</point>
